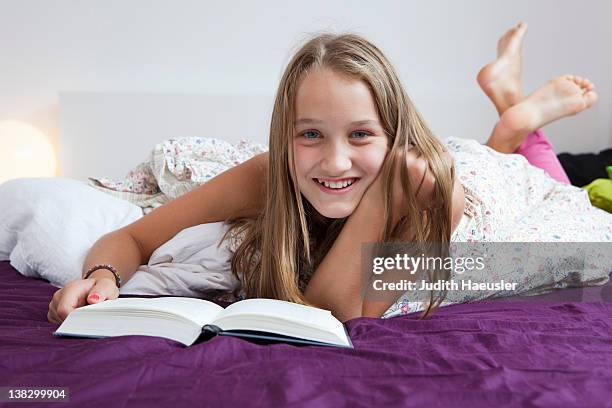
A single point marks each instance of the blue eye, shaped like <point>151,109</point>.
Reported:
<point>313,134</point>
<point>365,134</point>
<point>305,134</point>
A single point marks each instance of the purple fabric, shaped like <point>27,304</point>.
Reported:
<point>509,352</point>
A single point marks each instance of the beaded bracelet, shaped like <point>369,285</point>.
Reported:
<point>107,267</point>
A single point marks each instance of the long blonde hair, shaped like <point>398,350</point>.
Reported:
<point>277,246</point>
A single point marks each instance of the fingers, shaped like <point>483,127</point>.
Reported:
<point>103,289</point>
<point>80,293</point>
<point>73,296</point>
<point>422,178</point>
<point>52,314</point>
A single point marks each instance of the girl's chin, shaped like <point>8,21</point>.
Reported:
<point>330,206</point>
<point>329,211</point>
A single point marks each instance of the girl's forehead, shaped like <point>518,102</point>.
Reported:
<point>325,97</point>
<point>315,82</point>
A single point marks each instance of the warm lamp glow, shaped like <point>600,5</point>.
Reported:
<point>24,152</point>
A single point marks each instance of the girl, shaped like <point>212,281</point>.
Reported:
<point>350,161</point>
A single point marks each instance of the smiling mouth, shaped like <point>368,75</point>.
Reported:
<point>336,185</point>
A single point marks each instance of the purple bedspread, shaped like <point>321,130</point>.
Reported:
<point>496,353</point>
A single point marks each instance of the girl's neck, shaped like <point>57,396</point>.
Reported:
<point>314,216</point>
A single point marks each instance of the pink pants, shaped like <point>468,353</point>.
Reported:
<point>540,153</point>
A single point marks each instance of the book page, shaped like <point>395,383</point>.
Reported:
<point>197,310</point>
<point>278,309</point>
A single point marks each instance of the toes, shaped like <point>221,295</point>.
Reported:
<point>578,80</point>
<point>583,83</point>
<point>509,34</point>
<point>511,40</point>
<point>590,98</point>
<point>562,78</point>
<point>570,77</point>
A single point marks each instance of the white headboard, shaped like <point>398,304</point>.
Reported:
<point>108,134</point>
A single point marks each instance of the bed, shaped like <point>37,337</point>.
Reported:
<point>549,350</point>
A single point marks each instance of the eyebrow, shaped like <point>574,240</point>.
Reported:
<point>356,123</point>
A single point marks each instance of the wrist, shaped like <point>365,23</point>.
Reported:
<point>369,218</point>
<point>107,267</point>
<point>372,202</point>
<point>372,206</point>
<point>102,273</point>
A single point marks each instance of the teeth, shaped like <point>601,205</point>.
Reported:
<point>337,184</point>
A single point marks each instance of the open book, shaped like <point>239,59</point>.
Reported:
<point>185,319</point>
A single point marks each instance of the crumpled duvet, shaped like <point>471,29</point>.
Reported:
<point>190,264</point>
<point>175,167</point>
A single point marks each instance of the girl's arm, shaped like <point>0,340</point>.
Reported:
<point>237,192</point>
<point>336,285</point>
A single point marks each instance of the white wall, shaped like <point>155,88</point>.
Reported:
<point>123,128</point>
<point>243,46</point>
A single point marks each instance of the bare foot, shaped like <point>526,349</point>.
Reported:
<point>501,79</point>
<point>562,96</point>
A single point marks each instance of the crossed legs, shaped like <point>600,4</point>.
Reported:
<point>521,117</point>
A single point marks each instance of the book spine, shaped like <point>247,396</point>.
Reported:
<point>211,328</point>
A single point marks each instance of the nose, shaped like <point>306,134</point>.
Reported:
<point>336,160</point>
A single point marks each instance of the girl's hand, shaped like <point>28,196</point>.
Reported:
<point>419,175</point>
<point>81,292</point>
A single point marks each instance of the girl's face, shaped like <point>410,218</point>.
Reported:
<point>339,144</point>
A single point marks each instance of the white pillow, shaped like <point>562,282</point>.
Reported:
<point>47,225</point>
